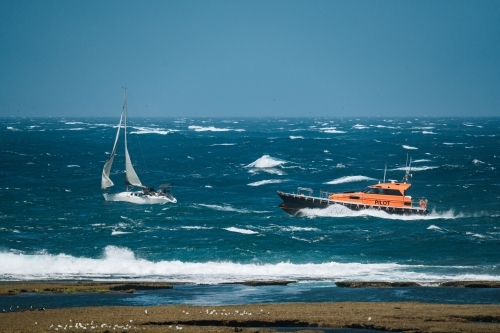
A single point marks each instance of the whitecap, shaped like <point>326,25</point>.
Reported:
<point>241,231</point>
<point>223,144</point>
<point>299,229</point>
<point>475,161</point>
<point>12,128</point>
<point>434,227</point>
<point>475,235</point>
<point>409,147</point>
<point>296,137</point>
<point>196,228</point>
<point>148,130</point>
<point>117,232</point>
<point>348,179</point>
<point>422,168</point>
<point>334,132</point>
<point>212,129</point>
<point>266,161</point>
<point>358,126</point>
<point>264,182</point>
<point>73,166</point>
<point>225,208</point>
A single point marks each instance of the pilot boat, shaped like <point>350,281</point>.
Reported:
<point>389,197</point>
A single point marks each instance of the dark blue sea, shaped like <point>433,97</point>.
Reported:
<point>227,226</point>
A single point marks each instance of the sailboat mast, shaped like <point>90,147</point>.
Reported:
<point>125,126</point>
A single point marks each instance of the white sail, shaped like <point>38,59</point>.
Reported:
<point>131,177</point>
<point>106,181</point>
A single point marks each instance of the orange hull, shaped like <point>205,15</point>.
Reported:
<point>389,197</point>
<point>385,194</point>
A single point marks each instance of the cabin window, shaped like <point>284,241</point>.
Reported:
<point>370,190</point>
<point>391,192</point>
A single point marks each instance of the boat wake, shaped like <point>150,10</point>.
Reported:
<point>342,211</point>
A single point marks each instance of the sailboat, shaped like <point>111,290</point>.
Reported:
<point>146,194</point>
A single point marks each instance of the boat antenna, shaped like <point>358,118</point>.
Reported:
<point>385,171</point>
<point>408,169</point>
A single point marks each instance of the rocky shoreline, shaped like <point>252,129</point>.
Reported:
<point>18,287</point>
<point>381,316</point>
<point>394,317</point>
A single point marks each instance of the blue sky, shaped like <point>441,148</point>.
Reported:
<point>250,58</point>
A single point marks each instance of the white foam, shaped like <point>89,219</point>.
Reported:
<point>212,129</point>
<point>73,166</point>
<point>241,231</point>
<point>422,168</point>
<point>358,126</point>
<point>225,208</point>
<point>266,161</point>
<point>475,235</point>
<point>434,227</point>
<point>12,128</point>
<point>331,130</point>
<point>116,232</point>
<point>265,182</point>
<point>342,211</point>
<point>409,147</point>
<point>299,229</point>
<point>150,130</point>
<point>196,228</point>
<point>475,161</point>
<point>223,144</point>
<point>119,262</point>
<point>296,137</point>
<point>348,179</point>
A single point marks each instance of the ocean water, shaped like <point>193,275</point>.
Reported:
<point>227,226</point>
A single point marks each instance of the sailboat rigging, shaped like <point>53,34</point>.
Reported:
<point>145,196</point>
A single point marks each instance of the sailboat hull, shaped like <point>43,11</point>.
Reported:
<point>138,197</point>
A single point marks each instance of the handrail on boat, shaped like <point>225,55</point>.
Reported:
<point>310,190</point>
<point>324,194</point>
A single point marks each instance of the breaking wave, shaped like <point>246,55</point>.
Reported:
<point>268,181</point>
<point>266,161</point>
<point>119,262</point>
<point>349,179</point>
<point>241,231</point>
<point>212,129</point>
